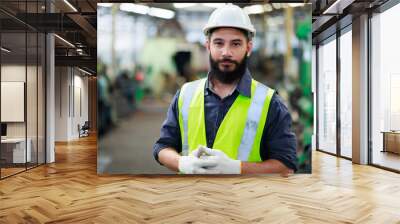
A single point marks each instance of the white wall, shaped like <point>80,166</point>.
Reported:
<point>33,126</point>
<point>80,100</point>
<point>61,103</point>
<point>71,93</point>
<point>13,73</point>
<point>16,73</point>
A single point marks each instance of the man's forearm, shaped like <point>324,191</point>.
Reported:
<point>169,158</point>
<point>268,166</point>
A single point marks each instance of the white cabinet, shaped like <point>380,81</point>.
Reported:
<point>18,149</point>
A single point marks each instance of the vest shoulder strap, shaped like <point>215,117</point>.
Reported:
<point>261,94</point>
<point>186,96</point>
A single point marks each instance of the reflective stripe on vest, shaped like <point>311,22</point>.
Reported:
<point>239,134</point>
<point>252,122</point>
<point>187,93</point>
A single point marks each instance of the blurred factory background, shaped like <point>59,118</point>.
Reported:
<point>146,52</point>
<point>51,157</point>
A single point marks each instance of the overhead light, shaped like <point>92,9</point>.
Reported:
<point>142,9</point>
<point>338,6</point>
<point>277,5</point>
<point>296,4</point>
<point>105,4</point>
<point>333,6</point>
<point>80,51</point>
<point>136,8</point>
<point>64,40</point>
<point>284,5</point>
<point>162,13</point>
<point>214,5</point>
<point>254,9</point>
<point>70,5</point>
<point>86,72</point>
<point>183,5</point>
<point>5,50</point>
<point>268,8</point>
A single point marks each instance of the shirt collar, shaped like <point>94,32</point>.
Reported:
<point>243,87</point>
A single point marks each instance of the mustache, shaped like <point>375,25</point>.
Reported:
<point>227,60</point>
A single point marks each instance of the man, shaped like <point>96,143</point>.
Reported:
<point>243,123</point>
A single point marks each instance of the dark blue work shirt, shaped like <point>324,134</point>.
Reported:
<point>278,141</point>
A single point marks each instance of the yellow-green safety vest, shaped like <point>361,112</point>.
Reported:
<point>239,135</point>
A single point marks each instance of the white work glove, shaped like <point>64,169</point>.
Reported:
<point>224,164</point>
<point>201,151</point>
<point>193,165</point>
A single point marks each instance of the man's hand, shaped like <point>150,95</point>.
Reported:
<point>201,151</point>
<point>194,165</point>
<point>223,164</point>
<point>227,165</point>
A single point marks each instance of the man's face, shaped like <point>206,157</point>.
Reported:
<point>228,49</point>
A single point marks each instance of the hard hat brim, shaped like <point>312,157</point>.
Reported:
<point>207,29</point>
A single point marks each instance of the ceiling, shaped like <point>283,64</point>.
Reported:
<point>331,15</point>
<point>73,21</point>
<point>76,25</point>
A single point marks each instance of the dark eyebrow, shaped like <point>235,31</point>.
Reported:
<point>236,40</point>
<point>218,39</point>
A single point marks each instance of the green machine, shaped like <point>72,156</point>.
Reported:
<point>305,101</point>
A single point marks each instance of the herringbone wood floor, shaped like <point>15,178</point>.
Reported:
<point>70,191</point>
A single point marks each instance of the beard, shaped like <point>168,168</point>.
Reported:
<point>228,77</point>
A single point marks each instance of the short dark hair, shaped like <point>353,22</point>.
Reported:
<point>245,32</point>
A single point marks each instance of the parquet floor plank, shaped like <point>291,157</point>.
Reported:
<point>70,191</point>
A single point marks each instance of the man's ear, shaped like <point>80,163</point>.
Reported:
<point>249,47</point>
<point>207,44</point>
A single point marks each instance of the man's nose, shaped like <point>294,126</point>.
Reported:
<point>226,52</point>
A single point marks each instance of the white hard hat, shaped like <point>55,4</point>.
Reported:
<point>229,16</point>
